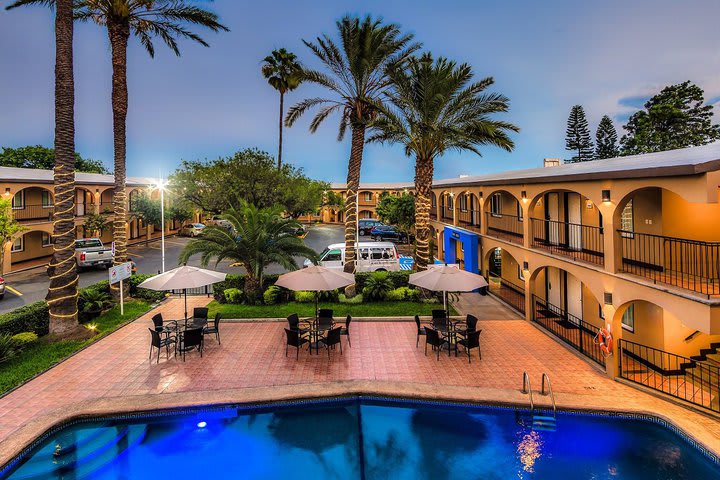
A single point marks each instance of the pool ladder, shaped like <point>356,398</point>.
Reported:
<point>540,421</point>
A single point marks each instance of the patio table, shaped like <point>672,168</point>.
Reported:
<point>316,331</point>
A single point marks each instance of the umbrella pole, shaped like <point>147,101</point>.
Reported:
<point>185,290</point>
<point>445,301</point>
<point>316,306</point>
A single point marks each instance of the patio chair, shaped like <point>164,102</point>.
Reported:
<point>433,338</point>
<point>331,339</point>
<point>160,325</point>
<point>470,325</point>
<point>470,341</point>
<point>190,339</point>
<point>325,323</point>
<point>156,341</point>
<point>439,314</point>
<point>294,339</point>
<point>420,330</point>
<point>440,323</point>
<point>215,328</point>
<point>200,316</point>
<point>346,329</point>
<point>325,313</point>
<point>294,323</point>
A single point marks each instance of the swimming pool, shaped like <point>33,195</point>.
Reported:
<point>364,439</point>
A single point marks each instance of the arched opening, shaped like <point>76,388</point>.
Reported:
<point>567,308</point>
<point>569,224</point>
<point>84,202</point>
<point>669,240</point>
<point>34,246</point>
<point>657,351</point>
<point>506,278</point>
<point>446,207</point>
<point>433,206</point>
<point>504,216</point>
<point>468,210</point>
<point>366,197</point>
<point>106,201</point>
<point>33,204</point>
<point>133,197</point>
<point>365,214</point>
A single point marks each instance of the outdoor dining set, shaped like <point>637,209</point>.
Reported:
<point>183,335</point>
<point>316,332</point>
<point>447,333</point>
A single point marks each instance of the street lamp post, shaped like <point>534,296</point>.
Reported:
<point>161,186</point>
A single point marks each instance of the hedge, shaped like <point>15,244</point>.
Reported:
<point>36,316</point>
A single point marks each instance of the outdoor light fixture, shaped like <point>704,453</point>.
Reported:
<point>526,266</point>
<point>97,191</point>
<point>202,424</point>
<point>607,298</point>
<point>480,194</point>
<point>606,196</point>
<point>7,192</point>
<point>523,195</point>
<point>589,204</point>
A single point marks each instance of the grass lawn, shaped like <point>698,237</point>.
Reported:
<point>369,309</point>
<point>44,354</point>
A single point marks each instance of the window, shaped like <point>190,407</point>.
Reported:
<point>496,204</point>
<point>463,201</point>
<point>521,275</point>
<point>332,256</point>
<point>46,239</point>
<point>18,201</point>
<point>46,199</point>
<point>627,223</point>
<point>368,196</point>
<point>449,202</point>
<point>433,200</point>
<point>628,318</point>
<point>18,244</point>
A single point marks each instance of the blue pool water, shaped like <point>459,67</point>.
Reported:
<point>364,439</point>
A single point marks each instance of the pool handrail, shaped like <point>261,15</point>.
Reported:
<point>527,388</point>
<point>550,391</point>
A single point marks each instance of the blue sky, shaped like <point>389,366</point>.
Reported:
<point>545,56</point>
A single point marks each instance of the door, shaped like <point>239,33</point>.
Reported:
<point>574,297</point>
<point>553,286</point>
<point>552,211</point>
<point>79,203</point>
<point>574,216</point>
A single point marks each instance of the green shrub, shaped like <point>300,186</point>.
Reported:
<point>234,280</point>
<point>24,339</point>
<point>272,295</point>
<point>29,318</point>
<point>430,301</point>
<point>329,296</point>
<point>352,300</point>
<point>233,295</point>
<point>398,279</point>
<point>144,293</point>
<point>8,348</point>
<point>404,294</point>
<point>93,301</point>
<point>377,286</point>
<point>302,296</point>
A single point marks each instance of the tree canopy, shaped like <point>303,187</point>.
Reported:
<point>397,210</point>
<point>577,136</point>
<point>606,139</point>
<point>677,117</point>
<point>249,175</point>
<point>43,158</point>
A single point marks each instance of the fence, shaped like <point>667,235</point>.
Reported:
<point>508,292</point>
<point>509,227</point>
<point>581,242</point>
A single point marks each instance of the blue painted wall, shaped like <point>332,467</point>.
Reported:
<point>469,241</point>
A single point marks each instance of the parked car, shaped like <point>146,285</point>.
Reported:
<point>302,230</point>
<point>2,288</point>
<point>192,229</point>
<point>372,256</point>
<point>365,225</point>
<point>220,222</point>
<point>389,232</point>
<point>90,252</point>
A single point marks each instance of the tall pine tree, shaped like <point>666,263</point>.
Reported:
<point>606,139</point>
<point>577,137</point>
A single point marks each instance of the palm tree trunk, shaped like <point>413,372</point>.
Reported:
<point>353,184</point>
<point>119,33</point>
<point>62,294</point>
<point>282,95</point>
<point>423,185</point>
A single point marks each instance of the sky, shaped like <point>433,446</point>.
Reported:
<point>608,56</point>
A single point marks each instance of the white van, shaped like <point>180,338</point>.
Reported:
<point>372,257</point>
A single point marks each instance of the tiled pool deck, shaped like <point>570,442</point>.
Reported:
<point>114,375</point>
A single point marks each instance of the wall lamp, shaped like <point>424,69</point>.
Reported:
<point>523,195</point>
<point>97,191</point>
<point>7,192</point>
<point>480,194</point>
<point>606,196</point>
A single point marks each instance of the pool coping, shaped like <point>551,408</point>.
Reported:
<point>27,436</point>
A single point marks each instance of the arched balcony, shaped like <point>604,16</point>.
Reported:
<point>467,205</point>
<point>446,207</point>
<point>433,206</point>
<point>504,217</point>
<point>505,278</point>
<point>568,224</point>
<point>33,204</point>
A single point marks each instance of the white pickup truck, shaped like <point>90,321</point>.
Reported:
<point>90,252</point>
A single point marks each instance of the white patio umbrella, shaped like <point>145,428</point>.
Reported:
<point>315,279</point>
<point>447,278</point>
<point>182,278</point>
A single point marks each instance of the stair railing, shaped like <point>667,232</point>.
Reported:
<point>527,389</point>
<point>545,377</point>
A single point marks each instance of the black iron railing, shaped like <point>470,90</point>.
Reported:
<point>509,227</point>
<point>675,375</point>
<point>33,212</point>
<point>508,292</point>
<point>469,218</point>
<point>580,242</point>
<point>570,329</point>
<point>689,264</point>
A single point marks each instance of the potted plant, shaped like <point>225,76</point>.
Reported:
<point>93,302</point>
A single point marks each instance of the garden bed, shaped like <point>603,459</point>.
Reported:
<point>365,309</point>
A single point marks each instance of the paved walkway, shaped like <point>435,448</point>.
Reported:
<point>115,374</point>
<point>485,307</point>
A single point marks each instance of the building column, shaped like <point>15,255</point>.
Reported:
<point>611,239</point>
<point>528,296</point>
<point>614,322</point>
<point>7,258</point>
<point>527,223</point>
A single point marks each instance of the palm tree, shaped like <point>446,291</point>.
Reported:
<point>166,19</point>
<point>62,296</point>
<point>357,77</point>
<point>282,72</point>
<point>431,109</point>
<point>258,237</point>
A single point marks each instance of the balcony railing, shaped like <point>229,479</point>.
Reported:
<point>688,264</point>
<point>33,212</point>
<point>106,207</point>
<point>469,218</point>
<point>675,375</point>
<point>446,212</point>
<point>570,329</point>
<point>508,292</point>
<point>509,227</point>
<point>579,242</point>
